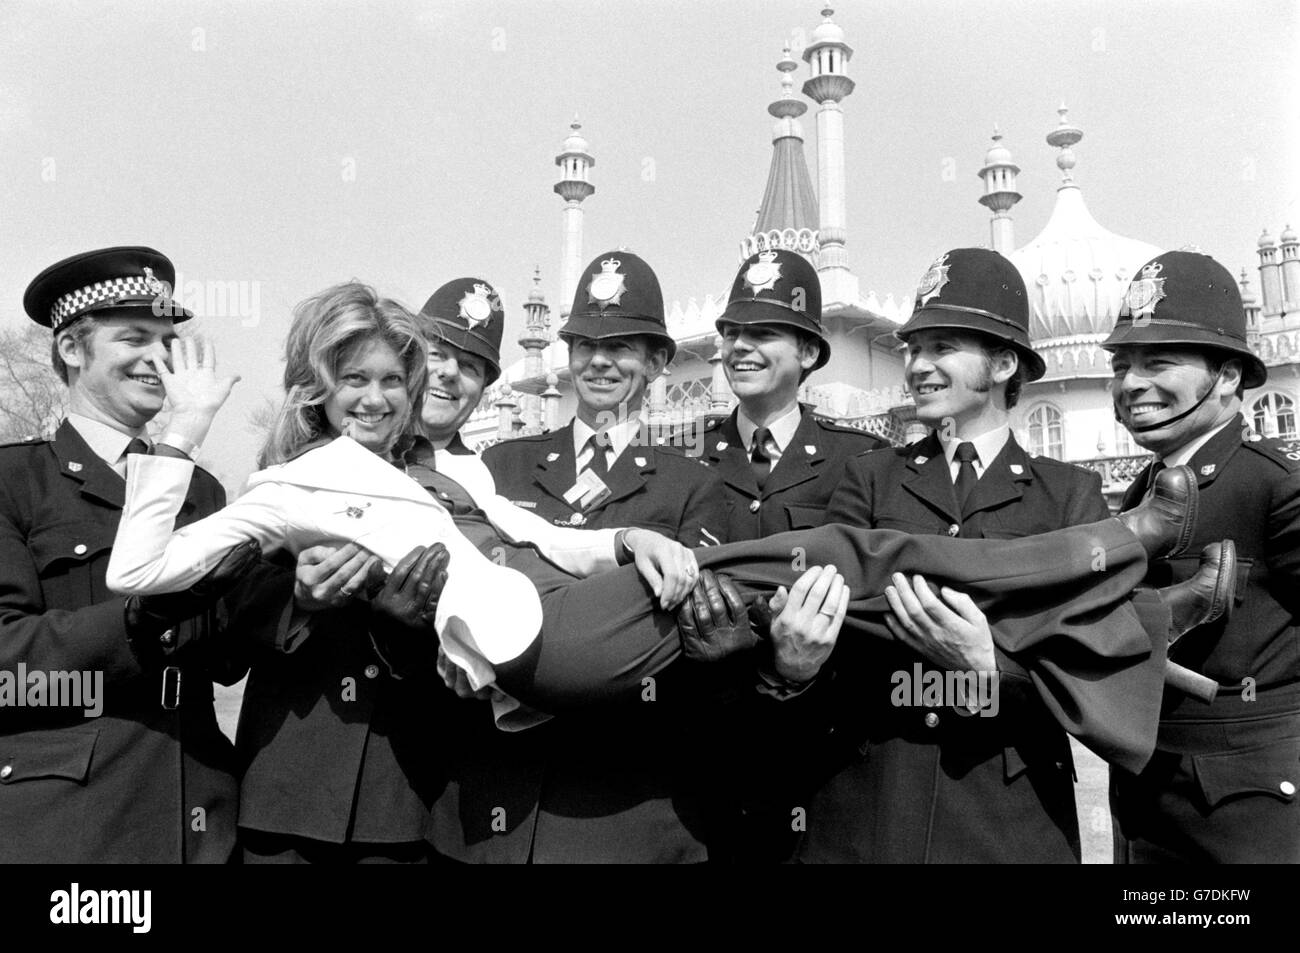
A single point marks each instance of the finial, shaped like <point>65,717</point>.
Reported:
<point>1063,137</point>
<point>575,125</point>
<point>997,133</point>
<point>827,12</point>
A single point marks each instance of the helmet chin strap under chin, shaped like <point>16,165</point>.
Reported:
<point>1172,420</point>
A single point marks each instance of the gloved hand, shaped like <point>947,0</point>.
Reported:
<point>713,621</point>
<point>402,612</point>
<point>148,617</point>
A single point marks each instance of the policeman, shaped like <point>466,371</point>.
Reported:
<point>647,798</point>
<point>131,768</point>
<point>780,461</point>
<point>997,786</point>
<point>1222,784</point>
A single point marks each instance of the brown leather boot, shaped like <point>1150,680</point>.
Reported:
<point>1165,519</point>
<point>1207,595</point>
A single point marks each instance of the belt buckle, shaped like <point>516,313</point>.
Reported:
<point>171,688</point>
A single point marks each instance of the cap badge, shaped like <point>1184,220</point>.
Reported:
<point>932,281</point>
<point>152,282</point>
<point>764,273</point>
<point>476,306</point>
<point>1145,293</point>
<point>606,288</point>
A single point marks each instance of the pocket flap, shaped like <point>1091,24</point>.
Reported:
<point>1273,768</point>
<point>73,542</point>
<point>805,517</point>
<point>47,754</point>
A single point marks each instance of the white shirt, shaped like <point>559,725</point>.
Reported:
<point>1184,454</point>
<point>107,443</point>
<point>987,445</point>
<point>619,437</point>
<point>782,432</point>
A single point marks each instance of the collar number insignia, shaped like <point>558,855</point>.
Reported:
<point>476,306</point>
<point>74,466</point>
<point>640,461</point>
<point>1208,469</point>
<point>920,461</point>
<point>1017,469</point>
<point>605,289</point>
<point>932,281</point>
<point>809,449</point>
<point>763,274</point>
<point>552,457</point>
<point>722,445</point>
<point>1145,293</point>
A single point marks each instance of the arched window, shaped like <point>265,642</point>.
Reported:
<point>1046,436</point>
<point>1124,442</point>
<point>1273,415</point>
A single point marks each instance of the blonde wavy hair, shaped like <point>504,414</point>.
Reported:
<point>325,328</point>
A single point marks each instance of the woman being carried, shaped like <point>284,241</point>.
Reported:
<point>1058,603</point>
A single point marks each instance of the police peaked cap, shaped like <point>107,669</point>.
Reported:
<point>467,313</point>
<point>975,289</point>
<point>617,295</point>
<point>779,287</point>
<point>1186,298</point>
<point>128,276</point>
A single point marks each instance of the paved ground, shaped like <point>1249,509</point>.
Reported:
<point>1090,792</point>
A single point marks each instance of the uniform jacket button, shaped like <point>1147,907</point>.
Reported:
<point>372,671</point>
<point>931,720</point>
<point>79,549</point>
<point>168,638</point>
<point>1287,788</point>
<point>7,770</point>
<point>954,529</point>
<point>754,505</point>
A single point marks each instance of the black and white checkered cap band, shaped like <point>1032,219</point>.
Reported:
<point>116,290</point>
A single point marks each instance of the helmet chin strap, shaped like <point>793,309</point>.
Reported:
<point>1172,420</point>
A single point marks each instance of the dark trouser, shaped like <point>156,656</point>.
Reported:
<point>1220,788</point>
<point>1059,604</point>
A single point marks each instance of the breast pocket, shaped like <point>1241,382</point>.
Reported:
<point>62,754</point>
<point>71,560</point>
<point>1271,769</point>
<point>802,516</point>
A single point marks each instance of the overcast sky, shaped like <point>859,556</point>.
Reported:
<point>290,145</point>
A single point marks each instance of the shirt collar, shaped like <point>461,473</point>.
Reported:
<point>988,445</point>
<point>619,436</point>
<point>107,442</point>
<point>1185,453</point>
<point>782,429</point>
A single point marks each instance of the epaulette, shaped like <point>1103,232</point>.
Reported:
<point>1286,453</point>
<point>829,423</point>
<point>527,438</point>
<point>29,441</point>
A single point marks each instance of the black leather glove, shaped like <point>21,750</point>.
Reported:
<point>713,621</point>
<point>149,617</point>
<point>402,612</point>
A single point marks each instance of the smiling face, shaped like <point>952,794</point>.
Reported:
<point>1153,384</point>
<point>110,376</point>
<point>764,363</point>
<point>613,373</point>
<point>456,381</point>
<point>953,378</point>
<point>369,402</point>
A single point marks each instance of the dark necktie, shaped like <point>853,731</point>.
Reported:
<point>759,457</point>
<point>137,446</point>
<point>966,455</point>
<point>598,464</point>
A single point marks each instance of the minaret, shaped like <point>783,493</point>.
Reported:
<point>536,334</point>
<point>1290,270</point>
<point>787,217</point>
<point>1270,278</point>
<point>827,57</point>
<point>574,161</point>
<point>999,175</point>
<point>1249,303</point>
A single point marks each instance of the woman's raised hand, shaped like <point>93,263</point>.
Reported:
<point>193,388</point>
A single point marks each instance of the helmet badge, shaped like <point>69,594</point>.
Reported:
<point>932,281</point>
<point>476,306</point>
<point>605,289</point>
<point>1146,292</point>
<point>763,274</point>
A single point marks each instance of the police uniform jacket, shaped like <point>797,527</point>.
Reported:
<point>1222,785</point>
<point>625,783</point>
<point>141,782</point>
<point>795,493</point>
<point>930,785</point>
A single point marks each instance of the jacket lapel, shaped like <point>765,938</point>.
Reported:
<point>627,475</point>
<point>725,452</point>
<point>79,463</point>
<point>557,476</point>
<point>1003,480</point>
<point>1207,463</point>
<point>929,480</point>
<point>798,462</point>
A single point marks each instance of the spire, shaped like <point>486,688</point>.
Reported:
<point>999,175</point>
<point>1063,137</point>
<point>575,160</point>
<point>536,334</point>
<point>787,217</point>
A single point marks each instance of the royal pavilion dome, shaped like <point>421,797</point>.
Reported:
<point>1076,273</point>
